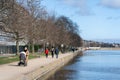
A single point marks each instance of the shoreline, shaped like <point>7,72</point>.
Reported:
<point>108,48</point>
<point>101,48</point>
<point>51,72</point>
<point>54,66</point>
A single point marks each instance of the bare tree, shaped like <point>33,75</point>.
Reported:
<point>62,31</point>
<point>33,24</point>
<point>15,23</point>
<point>36,12</point>
<point>68,31</point>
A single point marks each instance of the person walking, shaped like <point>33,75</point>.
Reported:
<point>56,52</point>
<point>52,51</point>
<point>46,52</point>
<point>27,54</point>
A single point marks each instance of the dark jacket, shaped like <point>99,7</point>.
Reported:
<point>56,51</point>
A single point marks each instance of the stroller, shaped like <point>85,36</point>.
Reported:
<point>22,58</point>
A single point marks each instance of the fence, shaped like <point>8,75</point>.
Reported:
<point>9,49</point>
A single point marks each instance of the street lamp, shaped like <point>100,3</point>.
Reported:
<point>62,48</point>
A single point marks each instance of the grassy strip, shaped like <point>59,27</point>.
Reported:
<point>4,60</point>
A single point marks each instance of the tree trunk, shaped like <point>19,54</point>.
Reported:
<point>33,50</point>
<point>17,43</point>
<point>29,47</point>
<point>17,47</point>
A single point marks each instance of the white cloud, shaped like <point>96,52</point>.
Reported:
<point>111,3</point>
<point>76,3</point>
<point>80,5</point>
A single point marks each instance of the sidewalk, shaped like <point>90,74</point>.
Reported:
<point>12,71</point>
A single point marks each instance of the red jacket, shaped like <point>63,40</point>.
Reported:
<point>46,51</point>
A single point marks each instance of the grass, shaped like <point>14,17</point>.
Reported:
<point>5,60</point>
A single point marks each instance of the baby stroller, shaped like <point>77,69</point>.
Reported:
<point>22,58</point>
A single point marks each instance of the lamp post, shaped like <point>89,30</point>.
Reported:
<point>62,48</point>
<point>47,44</point>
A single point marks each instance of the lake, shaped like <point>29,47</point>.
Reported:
<point>93,65</point>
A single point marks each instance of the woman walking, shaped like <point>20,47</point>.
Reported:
<point>46,52</point>
<point>27,54</point>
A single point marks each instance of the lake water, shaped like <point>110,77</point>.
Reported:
<point>93,65</point>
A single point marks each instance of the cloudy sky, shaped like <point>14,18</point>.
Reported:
<point>97,19</point>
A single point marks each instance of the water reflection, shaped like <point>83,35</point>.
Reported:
<point>94,65</point>
<point>62,75</point>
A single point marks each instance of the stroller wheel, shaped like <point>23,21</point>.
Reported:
<point>19,64</point>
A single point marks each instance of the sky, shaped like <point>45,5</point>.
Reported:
<point>97,19</point>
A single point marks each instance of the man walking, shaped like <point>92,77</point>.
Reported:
<point>56,52</point>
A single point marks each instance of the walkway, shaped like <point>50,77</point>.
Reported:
<point>12,71</point>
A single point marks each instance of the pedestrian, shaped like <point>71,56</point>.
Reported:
<point>27,54</point>
<point>56,52</point>
<point>73,49</point>
<point>52,51</point>
<point>46,52</point>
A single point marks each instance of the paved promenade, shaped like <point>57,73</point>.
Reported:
<point>12,71</point>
